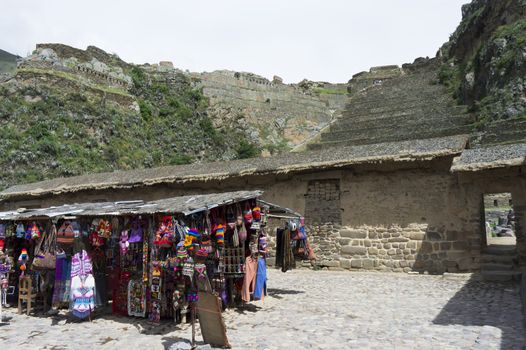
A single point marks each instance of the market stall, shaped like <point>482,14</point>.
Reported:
<point>146,259</point>
<point>150,258</point>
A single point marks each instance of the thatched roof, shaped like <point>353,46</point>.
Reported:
<point>501,156</point>
<point>290,162</point>
<point>176,205</point>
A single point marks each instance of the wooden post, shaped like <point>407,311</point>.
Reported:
<point>193,324</point>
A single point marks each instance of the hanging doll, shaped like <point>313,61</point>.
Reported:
<point>22,260</point>
<point>35,231</point>
<point>123,242</point>
<point>164,234</point>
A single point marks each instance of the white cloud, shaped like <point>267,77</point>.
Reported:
<point>316,39</point>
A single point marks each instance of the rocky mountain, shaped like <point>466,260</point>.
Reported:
<point>485,68</point>
<point>7,62</point>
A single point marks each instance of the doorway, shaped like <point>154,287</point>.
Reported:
<point>499,219</point>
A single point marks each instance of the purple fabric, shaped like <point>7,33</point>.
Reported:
<point>62,281</point>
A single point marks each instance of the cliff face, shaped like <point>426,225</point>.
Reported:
<point>485,67</point>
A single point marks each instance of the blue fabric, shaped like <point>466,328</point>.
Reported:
<point>261,279</point>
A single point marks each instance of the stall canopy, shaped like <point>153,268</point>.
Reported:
<point>183,204</point>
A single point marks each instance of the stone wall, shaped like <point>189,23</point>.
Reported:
<point>416,247</point>
<point>322,201</point>
<point>416,216</point>
<point>277,116</point>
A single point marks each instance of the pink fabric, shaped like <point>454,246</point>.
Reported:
<point>251,267</point>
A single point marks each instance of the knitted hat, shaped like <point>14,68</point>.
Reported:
<point>256,213</point>
<point>193,232</point>
<point>220,234</point>
<point>23,255</point>
<point>182,253</point>
<point>201,255</point>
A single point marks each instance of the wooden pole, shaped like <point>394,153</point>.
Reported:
<point>193,324</point>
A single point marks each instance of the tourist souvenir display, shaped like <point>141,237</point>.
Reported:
<point>153,265</point>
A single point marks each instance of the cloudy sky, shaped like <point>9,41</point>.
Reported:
<point>327,40</point>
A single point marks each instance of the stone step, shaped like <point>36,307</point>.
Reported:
<point>434,120</point>
<point>425,110</point>
<point>503,132</point>
<point>392,137</point>
<point>393,129</point>
<point>497,267</point>
<point>371,106</point>
<point>397,88</point>
<point>501,276</point>
<point>498,259</point>
<point>402,121</point>
<point>500,249</point>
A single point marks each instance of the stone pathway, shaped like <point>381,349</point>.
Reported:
<point>317,310</point>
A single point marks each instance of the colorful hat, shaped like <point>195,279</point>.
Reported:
<point>220,234</point>
<point>201,254</point>
<point>182,253</point>
<point>193,232</point>
<point>256,213</point>
<point>23,255</point>
<point>188,241</point>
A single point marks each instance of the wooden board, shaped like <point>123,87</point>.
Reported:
<point>211,320</point>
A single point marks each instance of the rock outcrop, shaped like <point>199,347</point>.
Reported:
<point>485,68</point>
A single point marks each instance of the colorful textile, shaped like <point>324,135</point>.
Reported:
<point>260,290</point>
<point>249,281</point>
<point>62,287</point>
<point>82,285</point>
<point>83,295</point>
<point>136,298</point>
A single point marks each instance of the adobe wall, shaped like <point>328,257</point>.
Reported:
<point>424,219</point>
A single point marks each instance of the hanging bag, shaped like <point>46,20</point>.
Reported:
<point>235,237</point>
<point>45,258</point>
<point>66,233</point>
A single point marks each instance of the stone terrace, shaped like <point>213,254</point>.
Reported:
<point>411,105</point>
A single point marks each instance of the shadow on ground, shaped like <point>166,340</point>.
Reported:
<point>277,292</point>
<point>481,303</point>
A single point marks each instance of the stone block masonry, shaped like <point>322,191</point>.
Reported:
<point>415,247</point>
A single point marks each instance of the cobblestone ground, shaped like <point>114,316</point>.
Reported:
<point>317,310</point>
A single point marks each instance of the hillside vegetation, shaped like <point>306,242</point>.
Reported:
<point>59,123</point>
